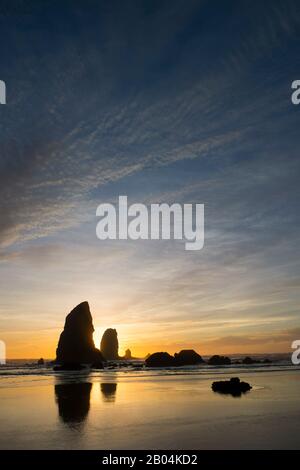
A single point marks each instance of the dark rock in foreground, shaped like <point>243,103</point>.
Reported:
<point>110,345</point>
<point>76,344</point>
<point>232,387</point>
<point>69,366</point>
<point>219,361</point>
<point>160,359</point>
<point>188,357</point>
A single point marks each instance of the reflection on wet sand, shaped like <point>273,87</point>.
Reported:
<point>109,391</point>
<point>73,400</point>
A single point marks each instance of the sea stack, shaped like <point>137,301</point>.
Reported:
<point>128,354</point>
<point>219,361</point>
<point>76,344</point>
<point>110,344</point>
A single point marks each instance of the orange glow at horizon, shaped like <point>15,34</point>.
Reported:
<point>33,345</point>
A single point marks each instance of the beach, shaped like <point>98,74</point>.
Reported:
<point>149,409</point>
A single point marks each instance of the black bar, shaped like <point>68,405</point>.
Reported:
<point>153,458</point>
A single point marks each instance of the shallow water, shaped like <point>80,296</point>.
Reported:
<point>150,409</point>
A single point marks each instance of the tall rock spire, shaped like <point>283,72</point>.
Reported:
<point>110,344</point>
<point>76,344</point>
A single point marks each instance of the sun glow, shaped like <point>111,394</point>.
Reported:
<point>97,335</point>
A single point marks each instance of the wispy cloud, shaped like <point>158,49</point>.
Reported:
<point>167,102</point>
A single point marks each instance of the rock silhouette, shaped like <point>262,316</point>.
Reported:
<point>267,361</point>
<point>128,354</point>
<point>110,344</point>
<point>233,387</point>
<point>248,360</point>
<point>219,361</point>
<point>76,344</point>
<point>188,357</point>
<point>73,400</point>
<point>160,359</point>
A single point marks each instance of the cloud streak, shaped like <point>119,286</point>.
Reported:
<point>165,102</point>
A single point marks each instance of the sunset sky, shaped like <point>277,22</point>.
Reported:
<point>162,101</point>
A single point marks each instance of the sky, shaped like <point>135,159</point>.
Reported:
<point>162,101</point>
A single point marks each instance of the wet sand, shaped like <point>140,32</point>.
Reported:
<point>150,410</point>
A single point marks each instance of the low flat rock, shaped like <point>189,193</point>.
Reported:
<point>232,387</point>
